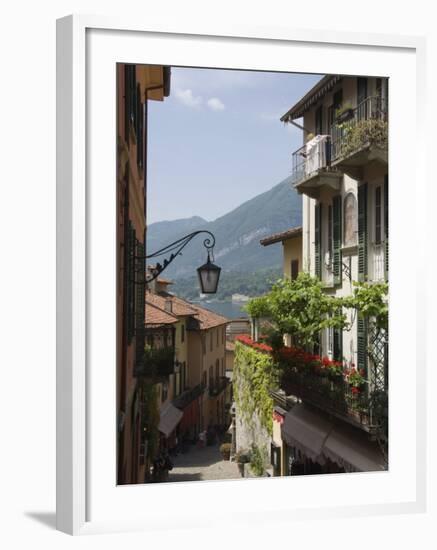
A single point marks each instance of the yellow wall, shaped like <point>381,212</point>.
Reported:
<point>292,250</point>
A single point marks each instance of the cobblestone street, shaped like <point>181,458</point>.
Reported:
<point>203,464</point>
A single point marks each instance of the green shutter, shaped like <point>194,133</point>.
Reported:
<point>318,240</point>
<point>362,232</point>
<point>336,234</point>
<point>337,344</point>
<point>386,226</point>
<point>362,343</point>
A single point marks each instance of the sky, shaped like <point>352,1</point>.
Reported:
<point>217,140</point>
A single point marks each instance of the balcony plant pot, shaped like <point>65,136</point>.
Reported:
<point>345,115</point>
<point>225,450</point>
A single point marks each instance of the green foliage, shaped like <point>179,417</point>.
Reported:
<point>150,416</point>
<point>254,375</point>
<point>299,307</point>
<point>370,300</point>
<point>365,132</point>
<point>258,460</point>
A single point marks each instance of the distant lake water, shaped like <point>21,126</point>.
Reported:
<point>231,310</point>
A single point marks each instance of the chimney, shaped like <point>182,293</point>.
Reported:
<point>168,306</point>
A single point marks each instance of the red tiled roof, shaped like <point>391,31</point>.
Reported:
<point>208,319</point>
<point>180,306</point>
<point>157,316</point>
<point>283,236</point>
<point>164,281</point>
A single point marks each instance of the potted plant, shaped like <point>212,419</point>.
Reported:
<point>242,458</point>
<point>225,449</point>
<point>344,113</point>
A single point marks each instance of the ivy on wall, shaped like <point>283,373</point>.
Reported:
<point>255,374</point>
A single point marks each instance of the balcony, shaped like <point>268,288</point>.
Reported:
<point>188,396</point>
<point>335,397</point>
<point>157,363</point>
<point>312,168</point>
<point>218,385</point>
<point>377,262</point>
<point>360,138</point>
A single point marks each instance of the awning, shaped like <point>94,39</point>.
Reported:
<point>305,430</point>
<point>352,451</point>
<point>169,418</point>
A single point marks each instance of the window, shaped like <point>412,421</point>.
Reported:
<point>183,333</point>
<point>210,340</point>
<point>223,335</point>
<point>294,269</point>
<point>217,371</point>
<point>350,220</point>
<point>330,342</point>
<point>217,334</point>
<point>378,233</point>
<point>204,379</point>
<point>330,246</point>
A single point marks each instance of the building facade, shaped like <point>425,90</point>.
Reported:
<point>342,172</point>
<point>136,85</point>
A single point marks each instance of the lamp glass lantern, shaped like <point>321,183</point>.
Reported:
<point>209,275</point>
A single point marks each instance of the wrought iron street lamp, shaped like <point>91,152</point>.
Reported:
<point>208,273</point>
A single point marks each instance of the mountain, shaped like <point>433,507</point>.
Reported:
<point>237,233</point>
<point>160,234</point>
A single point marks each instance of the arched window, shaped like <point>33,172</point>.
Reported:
<point>350,226</point>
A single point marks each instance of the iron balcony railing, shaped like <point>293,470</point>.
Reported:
<point>344,136</point>
<point>216,387</point>
<point>156,362</point>
<point>188,396</point>
<point>378,266</point>
<point>335,397</point>
<point>350,132</point>
<point>310,158</point>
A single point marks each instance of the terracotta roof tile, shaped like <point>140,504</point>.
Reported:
<point>157,316</point>
<point>209,319</point>
<point>179,306</point>
<point>283,236</point>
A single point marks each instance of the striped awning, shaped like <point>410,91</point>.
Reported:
<point>319,90</point>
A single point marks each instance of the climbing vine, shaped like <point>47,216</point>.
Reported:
<point>150,417</point>
<point>255,374</point>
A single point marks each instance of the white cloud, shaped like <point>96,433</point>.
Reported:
<point>187,98</point>
<point>215,104</point>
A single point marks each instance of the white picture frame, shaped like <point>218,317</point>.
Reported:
<point>85,501</point>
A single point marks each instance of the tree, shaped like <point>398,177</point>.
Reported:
<point>299,307</point>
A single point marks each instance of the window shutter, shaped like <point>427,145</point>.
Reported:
<point>362,232</point>
<point>386,226</point>
<point>140,303</point>
<point>337,344</point>
<point>362,343</point>
<point>318,240</point>
<point>336,232</point>
<point>130,276</point>
<point>129,72</point>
